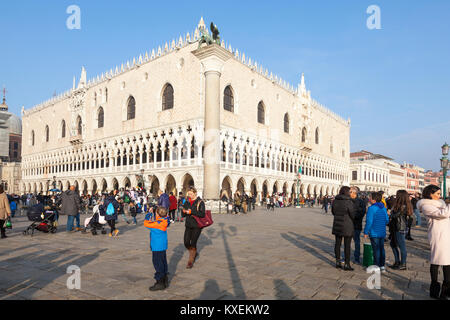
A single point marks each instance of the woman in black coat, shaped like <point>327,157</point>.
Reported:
<point>194,206</point>
<point>343,210</point>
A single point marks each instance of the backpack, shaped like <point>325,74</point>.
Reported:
<point>126,198</point>
<point>205,221</point>
<point>110,209</point>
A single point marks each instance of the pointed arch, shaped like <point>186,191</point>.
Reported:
<point>100,118</point>
<point>286,122</point>
<point>228,99</point>
<point>304,133</point>
<point>167,97</point>
<point>131,108</point>
<point>261,113</point>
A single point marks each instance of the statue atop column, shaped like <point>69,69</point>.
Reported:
<point>207,38</point>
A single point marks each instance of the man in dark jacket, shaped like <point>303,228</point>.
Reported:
<point>71,203</point>
<point>360,212</point>
<point>163,200</point>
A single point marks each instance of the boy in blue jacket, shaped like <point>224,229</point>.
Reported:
<point>376,221</point>
<point>158,245</point>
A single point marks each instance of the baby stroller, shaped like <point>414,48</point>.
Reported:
<point>43,219</point>
<point>96,222</point>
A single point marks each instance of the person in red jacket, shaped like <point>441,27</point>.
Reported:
<point>173,207</point>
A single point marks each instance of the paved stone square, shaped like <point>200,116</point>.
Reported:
<point>286,254</point>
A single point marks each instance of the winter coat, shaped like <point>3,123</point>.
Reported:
<point>200,212</point>
<point>173,203</point>
<point>158,232</point>
<point>164,201</point>
<point>437,214</point>
<point>104,207</point>
<point>399,220</point>
<point>343,211</point>
<point>376,221</point>
<point>71,203</point>
<point>5,210</point>
<point>360,212</point>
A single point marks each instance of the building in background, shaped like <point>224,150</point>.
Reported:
<point>10,148</point>
<point>376,172</point>
<point>152,121</point>
<point>432,178</point>
<point>415,178</point>
<point>370,172</point>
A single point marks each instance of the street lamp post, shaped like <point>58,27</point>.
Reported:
<point>298,185</point>
<point>445,166</point>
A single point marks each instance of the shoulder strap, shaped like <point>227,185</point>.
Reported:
<point>198,204</point>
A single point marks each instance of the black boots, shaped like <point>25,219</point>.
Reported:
<point>338,264</point>
<point>445,292</point>
<point>435,288</point>
<point>159,285</point>
<point>395,266</point>
<point>348,267</point>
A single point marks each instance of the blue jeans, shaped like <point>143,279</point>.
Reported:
<point>159,259</point>
<point>418,217</point>
<point>357,239</point>
<point>124,217</point>
<point>379,256</point>
<point>400,242</point>
<point>13,213</point>
<point>70,220</point>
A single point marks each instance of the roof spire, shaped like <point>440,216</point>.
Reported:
<point>4,106</point>
<point>4,95</point>
<point>201,24</point>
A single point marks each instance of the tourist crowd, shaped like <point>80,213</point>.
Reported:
<point>386,220</point>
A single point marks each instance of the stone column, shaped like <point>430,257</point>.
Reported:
<point>212,58</point>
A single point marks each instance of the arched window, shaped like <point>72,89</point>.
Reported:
<point>63,129</point>
<point>47,133</point>
<point>317,135</point>
<point>228,99</point>
<point>32,137</point>
<point>79,126</point>
<point>131,108</point>
<point>167,98</point>
<point>286,123</point>
<point>261,113</point>
<point>101,118</point>
<point>304,134</point>
<point>106,95</point>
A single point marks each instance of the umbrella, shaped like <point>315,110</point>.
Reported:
<point>55,190</point>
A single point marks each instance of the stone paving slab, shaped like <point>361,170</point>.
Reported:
<point>282,255</point>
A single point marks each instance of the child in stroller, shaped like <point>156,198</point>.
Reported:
<point>43,218</point>
<point>96,222</point>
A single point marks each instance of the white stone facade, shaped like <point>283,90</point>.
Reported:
<point>166,147</point>
<point>370,175</point>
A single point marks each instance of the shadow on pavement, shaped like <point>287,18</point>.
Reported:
<point>310,245</point>
<point>40,270</point>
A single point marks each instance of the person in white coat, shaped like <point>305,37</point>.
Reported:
<point>438,218</point>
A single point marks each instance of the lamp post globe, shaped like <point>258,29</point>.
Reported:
<point>445,149</point>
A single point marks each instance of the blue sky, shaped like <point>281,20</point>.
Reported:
<point>393,83</point>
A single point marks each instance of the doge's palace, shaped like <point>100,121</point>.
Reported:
<point>186,114</point>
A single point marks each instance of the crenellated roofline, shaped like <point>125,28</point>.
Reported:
<point>174,46</point>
